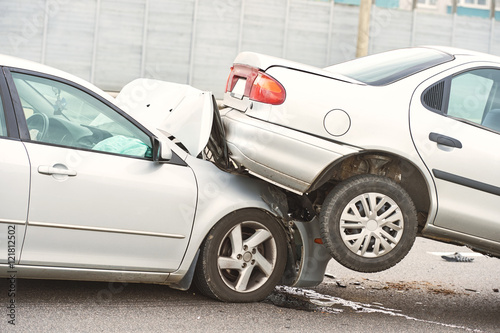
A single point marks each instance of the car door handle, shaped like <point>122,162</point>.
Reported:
<point>445,140</point>
<point>52,170</point>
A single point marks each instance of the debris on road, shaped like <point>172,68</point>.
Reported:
<point>402,286</point>
<point>472,290</point>
<point>341,284</point>
<point>457,257</point>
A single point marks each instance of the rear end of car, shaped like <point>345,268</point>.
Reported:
<point>337,140</point>
<point>262,130</point>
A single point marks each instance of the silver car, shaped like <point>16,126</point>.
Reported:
<point>91,192</point>
<point>376,150</point>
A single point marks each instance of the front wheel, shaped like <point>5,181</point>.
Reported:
<point>242,258</point>
<point>368,223</point>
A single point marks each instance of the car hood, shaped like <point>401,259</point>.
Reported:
<point>171,109</point>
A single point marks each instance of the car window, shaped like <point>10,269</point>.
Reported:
<point>60,114</point>
<point>474,97</point>
<point>388,67</point>
<point>3,127</point>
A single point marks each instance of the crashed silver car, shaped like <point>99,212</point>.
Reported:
<point>100,189</point>
<point>376,150</point>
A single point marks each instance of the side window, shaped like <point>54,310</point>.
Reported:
<point>3,127</point>
<point>474,97</point>
<point>60,114</point>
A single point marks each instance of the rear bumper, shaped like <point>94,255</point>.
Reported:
<point>282,156</point>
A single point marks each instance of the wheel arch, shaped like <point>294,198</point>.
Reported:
<point>224,284</point>
<point>182,278</point>
<point>382,163</point>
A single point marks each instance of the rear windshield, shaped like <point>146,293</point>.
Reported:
<point>387,67</point>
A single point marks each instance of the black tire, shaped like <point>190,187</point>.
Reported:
<point>261,259</point>
<point>368,242</point>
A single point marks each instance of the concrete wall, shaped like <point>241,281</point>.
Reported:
<point>110,42</point>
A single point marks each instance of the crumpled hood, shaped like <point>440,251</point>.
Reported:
<point>171,109</point>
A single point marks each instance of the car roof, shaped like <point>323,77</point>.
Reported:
<point>15,62</point>
<point>455,51</point>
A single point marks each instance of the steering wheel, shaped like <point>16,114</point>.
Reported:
<point>38,124</point>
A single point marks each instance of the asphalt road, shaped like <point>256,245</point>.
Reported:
<point>424,293</point>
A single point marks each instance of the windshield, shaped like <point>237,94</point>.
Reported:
<point>387,67</point>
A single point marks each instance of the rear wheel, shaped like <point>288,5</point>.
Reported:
<point>368,223</point>
<point>242,258</point>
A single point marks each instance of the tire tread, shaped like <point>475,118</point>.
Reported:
<point>340,252</point>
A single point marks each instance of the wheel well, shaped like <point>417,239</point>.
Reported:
<point>383,164</point>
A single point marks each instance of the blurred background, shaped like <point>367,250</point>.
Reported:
<point>111,42</point>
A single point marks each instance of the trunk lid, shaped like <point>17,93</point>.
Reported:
<point>241,83</point>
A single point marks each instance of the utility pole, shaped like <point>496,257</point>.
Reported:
<point>363,28</point>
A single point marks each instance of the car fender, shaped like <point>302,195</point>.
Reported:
<point>219,194</point>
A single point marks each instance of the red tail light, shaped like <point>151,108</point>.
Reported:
<point>259,86</point>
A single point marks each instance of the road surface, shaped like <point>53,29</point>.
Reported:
<point>424,293</point>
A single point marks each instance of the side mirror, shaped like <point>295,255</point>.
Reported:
<point>161,151</point>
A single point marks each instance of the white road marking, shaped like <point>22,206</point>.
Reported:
<point>327,301</point>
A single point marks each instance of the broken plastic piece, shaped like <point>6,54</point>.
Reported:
<point>340,284</point>
<point>457,257</point>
